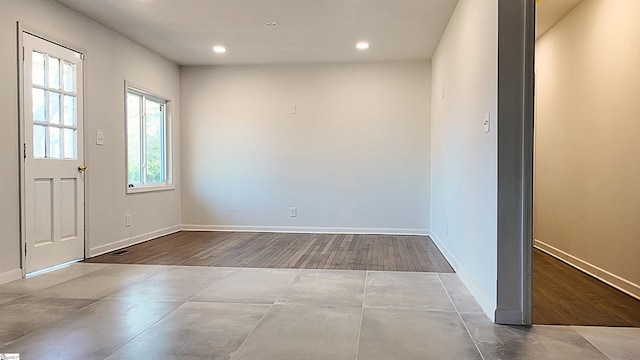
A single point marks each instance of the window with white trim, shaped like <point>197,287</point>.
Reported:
<point>148,165</point>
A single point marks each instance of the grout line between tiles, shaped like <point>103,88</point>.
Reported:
<point>364,294</point>
<point>145,330</point>
<point>461,319</point>
<point>210,285</point>
<point>572,327</point>
<point>233,354</point>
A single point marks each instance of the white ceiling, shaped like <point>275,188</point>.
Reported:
<point>549,12</point>
<point>307,30</point>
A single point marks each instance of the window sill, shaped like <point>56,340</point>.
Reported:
<point>149,188</point>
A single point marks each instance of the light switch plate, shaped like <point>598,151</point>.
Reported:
<point>292,109</point>
<point>487,122</point>
<point>99,137</point>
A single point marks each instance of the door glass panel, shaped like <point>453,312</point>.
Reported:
<point>54,143</point>
<point>37,68</point>
<point>54,107</point>
<point>69,144</point>
<point>133,139</point>
<point>69,110</point>
<point>153,125</point>
<point>54,73</point>
<point>69,77</point>
<point>39,113</point>
<point>39,141</point>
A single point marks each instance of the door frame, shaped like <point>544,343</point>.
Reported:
<point>516,82</point>
<point>20,30</point>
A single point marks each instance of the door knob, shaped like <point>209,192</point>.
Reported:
<point>82,168</point>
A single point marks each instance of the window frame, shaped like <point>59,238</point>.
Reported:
<point>167,184</point>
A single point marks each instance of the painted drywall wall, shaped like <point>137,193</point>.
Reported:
<point>464,157</point>
<point>110,59</point>
<point>354,157</point>
<point>587,199</point>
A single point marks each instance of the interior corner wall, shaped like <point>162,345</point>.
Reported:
<point>110,59</point>
<point>464,157</point>
<point>587,198</point>
<point>353,158</point>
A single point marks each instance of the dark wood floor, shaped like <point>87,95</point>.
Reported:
<point>563,295</point>
<point>278,250</point>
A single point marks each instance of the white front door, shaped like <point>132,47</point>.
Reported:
<point>53,154</point>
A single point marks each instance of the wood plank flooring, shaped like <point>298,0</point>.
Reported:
<point>286,250</point>
<point>563,295</point>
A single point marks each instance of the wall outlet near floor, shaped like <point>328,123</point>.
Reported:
<point>127,220</point>
<point>293,211</point>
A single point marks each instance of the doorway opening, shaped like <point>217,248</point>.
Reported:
<point>586,197</point>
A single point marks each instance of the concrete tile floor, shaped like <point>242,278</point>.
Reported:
<point>97,311</point>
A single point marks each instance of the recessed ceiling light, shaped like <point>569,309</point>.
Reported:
<point>219,49</point>
<point>362,45</point>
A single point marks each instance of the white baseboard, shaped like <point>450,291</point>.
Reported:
<point>605,276</point>
<point>488,306</point>
<point>306,230</point>
<point>99,250</point>
<point>10,275</point>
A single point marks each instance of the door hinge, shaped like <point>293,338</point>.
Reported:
<point>23,54</point>
<point>25,249</point>
<point>81,56</point>
<point>24,150</point>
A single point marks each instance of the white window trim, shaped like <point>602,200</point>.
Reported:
<point>168,184</point>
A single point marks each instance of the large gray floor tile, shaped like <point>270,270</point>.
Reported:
<point>616,343</point>
<point>196,331</point>
<point>537,342</point>
<point>460,295</point>
<point>45,280</point>
<point>326,288</point>
<point>101,283</point>
<point>258,286</point>
<point>179,284</point>
<point>406,290</point>
<point>414,335</point>
<point>294,332</point>
<point>26,314</point>
<point>93,332</point>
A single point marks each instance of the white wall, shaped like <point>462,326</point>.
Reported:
<point>464,157</point>
<point>587,198</point>
<point>110,59</point>
<point>355,157</point>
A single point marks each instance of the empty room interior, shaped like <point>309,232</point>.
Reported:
<point>323,180</point>
<point>585,197</point>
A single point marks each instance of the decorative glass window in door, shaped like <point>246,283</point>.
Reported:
<point>54,107</point>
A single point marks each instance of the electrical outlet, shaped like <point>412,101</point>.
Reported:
<point>293,211</point>
<point>127,220</point>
